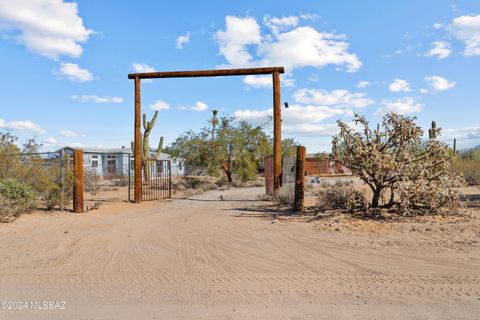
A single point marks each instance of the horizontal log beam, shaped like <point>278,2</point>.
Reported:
<point>206,73</point>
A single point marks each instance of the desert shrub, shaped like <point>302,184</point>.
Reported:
<point>221,182</point>
<point>91,181</point>
<point>470,169</point>
<point>209,185</point>
<point>57,188</point>
<point>16,198</point>
<point>284,196</point>
<point>341,197</point>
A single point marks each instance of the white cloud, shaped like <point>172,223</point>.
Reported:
<point>363,84</point>
<point>467,134</point>
<point>437,25</point>
<point>50,141</point>
<point>258,81</point>
<point>97,99</point>
<point>50,28</point>
<point>314,78</point>
<point>297,119</point>
<point>313,106</point>
<point>398,52</point>
<point>399,85</point>
<point>441,50</point>
<point>402,106</point>
<point>73,72</point>
<point>467,29</point>
<point>266,81</point>
<point>302,46</point>
<point>233,41</point>
<point>423,90</point>
<point>159,105</point>
<point>199,106</point>
<point>311,129</point>
<point>332,98</point>
<point>280,24</point>
<point>182,40</point>
<point>77,145</point>
<point>68,134</point>
<point>21,126</point>
<point>439,83</point>
<point>307,47</point>
<point>143,68</point>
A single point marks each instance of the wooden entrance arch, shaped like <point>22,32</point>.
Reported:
<point>277,139</point>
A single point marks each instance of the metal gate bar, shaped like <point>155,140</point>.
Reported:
<point>156,180</point>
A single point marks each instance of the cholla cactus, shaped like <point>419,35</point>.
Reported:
<point>402,170</point>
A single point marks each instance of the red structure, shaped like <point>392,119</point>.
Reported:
<point>317,167</point>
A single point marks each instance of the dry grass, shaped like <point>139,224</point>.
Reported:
<point>470,170</point>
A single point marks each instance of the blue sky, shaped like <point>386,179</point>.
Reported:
<point>64,65</point>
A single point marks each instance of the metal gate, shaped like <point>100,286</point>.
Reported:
<point>156,180</point>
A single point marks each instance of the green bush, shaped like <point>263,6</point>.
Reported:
<point>16,198</point>
<point>55,189</point>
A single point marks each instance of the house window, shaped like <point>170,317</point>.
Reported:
<point>94,161</point>
<point>112,164</point>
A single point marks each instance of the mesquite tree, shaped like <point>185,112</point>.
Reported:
<point>403,171</point>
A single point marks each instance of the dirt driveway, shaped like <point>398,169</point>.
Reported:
<point>205,258</point>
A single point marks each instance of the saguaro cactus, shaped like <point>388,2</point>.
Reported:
<point>433,132</point>
<point>145,144</point>
<point>214,122</point>
<point>455,146</point>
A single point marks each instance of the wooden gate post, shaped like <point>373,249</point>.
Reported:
<point>277,134</point>
<point>78,182</point>
<point>300,178</point>
<point>137,145</point>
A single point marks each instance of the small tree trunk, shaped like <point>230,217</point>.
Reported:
<point>376,197</point>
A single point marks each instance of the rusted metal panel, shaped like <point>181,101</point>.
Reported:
<point>206,73</point>
<point>316,167</point>
<point>268,173</point>
<point>78,182</point>
<point>137,146</point>
<point>300,179</point>
<point>277,133</point>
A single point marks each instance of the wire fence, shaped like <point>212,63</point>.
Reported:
<point>50,174</point>
<point>106,177</point>
<point>288,178</point>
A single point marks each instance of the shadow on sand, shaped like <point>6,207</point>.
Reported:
<point>472,201</point>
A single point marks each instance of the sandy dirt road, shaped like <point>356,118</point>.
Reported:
<point>205,258</point>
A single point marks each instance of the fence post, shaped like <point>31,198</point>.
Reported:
<point>78,182</point>
<point>129,174</point>
<point>62,177</point>
<point>300,178</point>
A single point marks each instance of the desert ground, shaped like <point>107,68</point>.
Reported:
<point>239,258</point>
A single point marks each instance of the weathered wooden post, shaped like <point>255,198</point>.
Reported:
<point>277,136</point>
<point>78,182</point>
<point>300,179</point>
<point>137,145</point>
